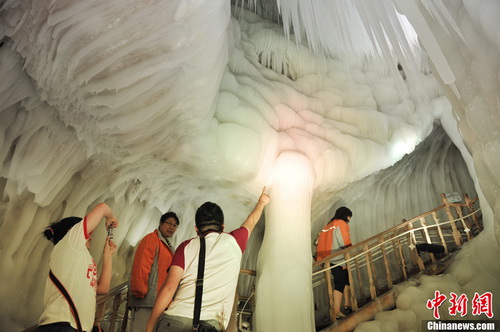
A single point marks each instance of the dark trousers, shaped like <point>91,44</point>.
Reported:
<point>340,278</point>
<point>56,327</point>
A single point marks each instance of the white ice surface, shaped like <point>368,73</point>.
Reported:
<point>155,106</point>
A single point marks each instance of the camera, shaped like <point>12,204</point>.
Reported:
<point>110,231</point>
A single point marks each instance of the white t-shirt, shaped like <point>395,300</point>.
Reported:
<point>222,267</point>
<point>72,264</point>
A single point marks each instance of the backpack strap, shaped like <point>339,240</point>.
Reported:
<point>66,295</point>
<point>199,285</point>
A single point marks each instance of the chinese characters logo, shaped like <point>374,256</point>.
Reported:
<point>481,304</point>
<point>92,274</point>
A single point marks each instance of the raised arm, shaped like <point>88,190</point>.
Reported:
<point>165,296</point>
<point>101,210</point>
<point>254,216</point>
<point>104,282</point>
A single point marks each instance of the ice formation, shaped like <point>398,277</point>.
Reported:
<point>286,247</point>
<point>162,105</point>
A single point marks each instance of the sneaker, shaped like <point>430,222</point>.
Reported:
<point>347,310</point>
<point>340,315</point>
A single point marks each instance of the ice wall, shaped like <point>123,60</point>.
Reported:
<point>476,100</point>
<point>155,106</point>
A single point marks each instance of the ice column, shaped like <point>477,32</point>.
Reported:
<point>284,298</point>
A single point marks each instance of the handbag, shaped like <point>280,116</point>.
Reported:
<point>64,292</point>
<point>200,326</point>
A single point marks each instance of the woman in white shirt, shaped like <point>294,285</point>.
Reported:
<point>73,267</point>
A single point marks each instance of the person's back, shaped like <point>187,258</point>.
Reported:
<point>222,265</point>
<point>72,284</point>
<point>335,237</point>
<point>69,261</point>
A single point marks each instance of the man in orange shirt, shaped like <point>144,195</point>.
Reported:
<point>335,237</point>
<point>149,270</point>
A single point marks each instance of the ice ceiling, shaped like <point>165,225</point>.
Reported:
<point>163,105</point>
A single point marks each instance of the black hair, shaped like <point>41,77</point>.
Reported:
<point>57,230</point>
<point>168,215</point>
<point>342,213</point>
<point>209,216</point>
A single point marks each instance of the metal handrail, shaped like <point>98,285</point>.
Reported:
<point>376,246</point>
<point>112,293</point>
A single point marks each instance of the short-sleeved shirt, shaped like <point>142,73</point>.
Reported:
<point>222,267</point>
<point>72,264</point>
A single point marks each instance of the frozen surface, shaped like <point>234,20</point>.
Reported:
<point>162,105</point>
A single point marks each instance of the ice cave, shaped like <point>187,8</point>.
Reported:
<point>158,105</point>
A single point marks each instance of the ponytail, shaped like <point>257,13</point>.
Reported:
<point>48,233</point>
<point>57,230</point>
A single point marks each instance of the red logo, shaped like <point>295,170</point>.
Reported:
<point>435,303</point>
<point>92,274</point>
<point>458,304</point>
<point>481,304</point>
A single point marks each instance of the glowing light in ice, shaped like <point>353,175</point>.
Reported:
<point>284,270</point>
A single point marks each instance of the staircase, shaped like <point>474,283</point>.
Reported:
<point>404,251</point>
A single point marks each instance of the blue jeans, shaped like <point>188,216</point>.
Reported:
<point>56,327</point>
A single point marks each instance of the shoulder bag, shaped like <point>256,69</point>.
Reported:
<point>64,292</point>
<point>200,326</point>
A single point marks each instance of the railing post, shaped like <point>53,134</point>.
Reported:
<point>427,237</point>
<point>328,277</point>
<point>440,232</point>
<point>116,305</point>
<point>354,301</point>
<point>99,313</point>
<point>388,274</point>
<point>358,274</point>
<point>369,268</point>
<point>125,317</point>
<point>465,225</point>
<point>455,232</point>
<point>469,202</point>
<point>415,257</point>
<point>399,254</point>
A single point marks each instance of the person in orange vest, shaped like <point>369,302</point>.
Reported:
<point>332,238</point>
<point>151,262</point>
